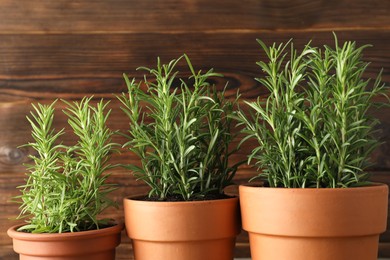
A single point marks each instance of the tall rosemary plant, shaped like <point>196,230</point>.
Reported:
<point>181,133</point>
<point>66,188</point>
<point>313,129</point>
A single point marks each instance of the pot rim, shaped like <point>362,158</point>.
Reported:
<point>178,203</point>
<point>13,233</point>
<point>372,185</point>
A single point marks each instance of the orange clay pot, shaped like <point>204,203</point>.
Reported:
<point>86,245</point>
<point>314,224</point>
<point>198,230</point>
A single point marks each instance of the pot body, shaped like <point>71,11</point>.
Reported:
<point>86,245</point>
<point>199,230</point>
<point>314,224</point>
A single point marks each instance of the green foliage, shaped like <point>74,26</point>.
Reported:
<point>181,134</point>
<point>66,189</point>
<point>313,130</point>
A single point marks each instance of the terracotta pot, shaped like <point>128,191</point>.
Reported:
<point>200,230</point>
<point>314,224</point>
<point>86,245</point>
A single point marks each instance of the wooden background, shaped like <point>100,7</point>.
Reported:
<point>69,49</point>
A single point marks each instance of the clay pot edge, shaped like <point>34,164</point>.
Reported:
<point>13,233</point>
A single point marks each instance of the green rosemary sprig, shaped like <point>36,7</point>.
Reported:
<point>180,133</point>
<point>66,188</point>
<point>313,130</point>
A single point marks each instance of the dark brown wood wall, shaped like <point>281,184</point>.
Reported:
<point>69,49</point>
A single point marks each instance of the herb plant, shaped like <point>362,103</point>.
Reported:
<point>180,130</point>
<point>66,188</point>
<point>313,129</point>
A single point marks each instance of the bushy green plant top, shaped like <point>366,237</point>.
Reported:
<point>66,188</point>
<point>181,133</point>
<point>313,129</point>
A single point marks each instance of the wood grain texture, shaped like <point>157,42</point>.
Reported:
<point>91,59</point>
<point>70,49</point>
<point>189,15</point>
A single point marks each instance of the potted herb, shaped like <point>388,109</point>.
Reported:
<point>66,188</point>
<point>314,138</point>
<point>180,130</point>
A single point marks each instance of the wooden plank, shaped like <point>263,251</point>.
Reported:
<point>46,66</point>
<point>45,16</point>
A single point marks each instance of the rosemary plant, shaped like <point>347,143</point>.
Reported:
<point>66,188</point>
<point>180,133</point>
<point>313,129</point>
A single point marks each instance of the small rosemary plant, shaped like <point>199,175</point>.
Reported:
<point>181,133</point>
<point>66,189</point>
<point>313,130</point>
